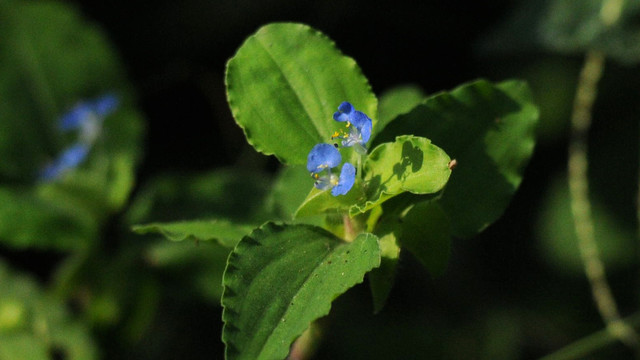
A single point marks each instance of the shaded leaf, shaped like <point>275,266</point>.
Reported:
<point>381,278</point>
<point>426,233</point>
<point>284,98</point>
<point>490,131</point>
<point>281,278</point>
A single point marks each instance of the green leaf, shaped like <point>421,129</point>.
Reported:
<point>381,278</point>
<point>410,164</point>
<point>426,233</point>
<point>281,278</point>
<point>490,131</point>
<point>396,101</point>
<point>225,232</point>
<point>284,84</point>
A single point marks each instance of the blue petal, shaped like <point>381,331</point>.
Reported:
<point>323,156</point>
<point>365,131</point>
<point>105,105</point>
<point>347,178</point>
<point>344,112</point>
<point>345,107</point>
<point>75,117</point>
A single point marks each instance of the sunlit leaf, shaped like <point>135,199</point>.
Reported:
<point>283,97</point>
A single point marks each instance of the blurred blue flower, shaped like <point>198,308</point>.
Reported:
<point>69,159</point>
<point>358,123</point>
<point>86,117</point>
<point>323,158</point>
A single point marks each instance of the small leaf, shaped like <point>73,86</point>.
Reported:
<point>381,278</point>
<point>410,164</point>
<point>284,98</point>
<point>426,233</point>
<point>281,278</point>
<point>225,232</point>
<point>490,131</point>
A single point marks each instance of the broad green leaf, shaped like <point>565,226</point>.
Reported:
<point>42,75</point>
<point>381,279</point>
<point>396,101</point>
<point>490,131</point>
<point>426,233</point>
<point>281,278</point>
<point>225,232</point>
<point>284,84</point>
<point>410,164</point>
<point>32,323</point>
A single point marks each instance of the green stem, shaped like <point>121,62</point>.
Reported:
<point>586,94</point>
<point>587,345</point>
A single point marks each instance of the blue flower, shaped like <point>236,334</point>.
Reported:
<point>69,159</point>
<point>359,125</point>
<point>324,157</point>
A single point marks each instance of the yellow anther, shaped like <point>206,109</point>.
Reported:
<point>316,176</point>
<point>348,123</point>
<point>335,134</point>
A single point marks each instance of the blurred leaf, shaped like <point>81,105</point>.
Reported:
<point>410,164</point>
<point>284,97</point>
<point>52,59</point>
<point>396,101</point>
<point>426,233</point>
<point>490,131</point>
<point>558,244</point>
<point>226,233</point>
<point>281,278</point>
<point>226,193</point>
<point>35,326</point>
<point>569,27</point>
